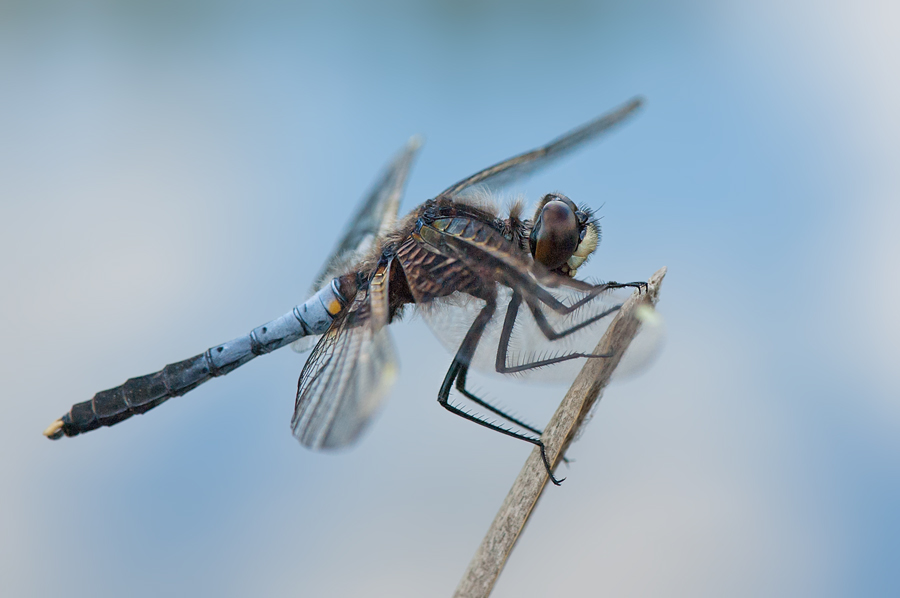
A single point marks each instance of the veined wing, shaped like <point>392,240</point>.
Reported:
<point>507,171</point>
<point>344,380</point>
<point>353,365</point>
<point>375,215</point>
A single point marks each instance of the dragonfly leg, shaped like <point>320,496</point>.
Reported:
<point>512,312</point>
<point>529,283</point>
<point>461,387</point>
<point>526,285</point>
<point>551,334</point>
<point>587,287</point>
<point>640,285</point>
<point>524,282</point>
<point>460,361</point>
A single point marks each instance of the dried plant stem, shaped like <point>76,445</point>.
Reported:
<point>564,427</point>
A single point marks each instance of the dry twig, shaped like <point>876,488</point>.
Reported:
<point>564,426</point>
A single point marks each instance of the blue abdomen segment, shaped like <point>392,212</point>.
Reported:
<point>143,393</point>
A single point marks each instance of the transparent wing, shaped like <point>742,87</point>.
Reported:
<point>505,172</point>
<point>375,215</point>
<point>344,380</point>
<point>304,344</point>
<point>645,347</point>
<point>450,318</point>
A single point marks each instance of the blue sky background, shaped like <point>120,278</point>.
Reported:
<point>172,173</point>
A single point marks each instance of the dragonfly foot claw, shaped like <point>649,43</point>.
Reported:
<point>556,482</point>
<point>640,286</point>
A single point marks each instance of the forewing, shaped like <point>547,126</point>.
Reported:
<point>376,215</point>
<point>344,380</point>
<point>505,172</point>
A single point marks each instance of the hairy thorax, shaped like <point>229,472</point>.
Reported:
<point>423,267</point>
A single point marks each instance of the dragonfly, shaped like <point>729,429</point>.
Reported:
<point>500,292</point>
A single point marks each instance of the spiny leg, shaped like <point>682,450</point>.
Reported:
<point>551,334</point>
<point>461,360</point>
<point>461,387</point>
<point>581,285</point>
<point>509,322</point>
<point>547,330</point>
<point>528,286</point>
<point>516,279</point>
<point>530,282</point>
<point>512,311</point>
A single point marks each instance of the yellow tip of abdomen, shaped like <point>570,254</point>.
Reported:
<point>54,430</point>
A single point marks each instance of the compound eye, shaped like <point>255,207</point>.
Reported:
<point>555,235</point>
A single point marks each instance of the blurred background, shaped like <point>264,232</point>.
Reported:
<point>173,174</point>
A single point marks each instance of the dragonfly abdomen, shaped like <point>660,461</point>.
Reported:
<point>143,393</point>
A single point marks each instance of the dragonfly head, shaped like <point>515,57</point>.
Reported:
<point>563,235</point>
